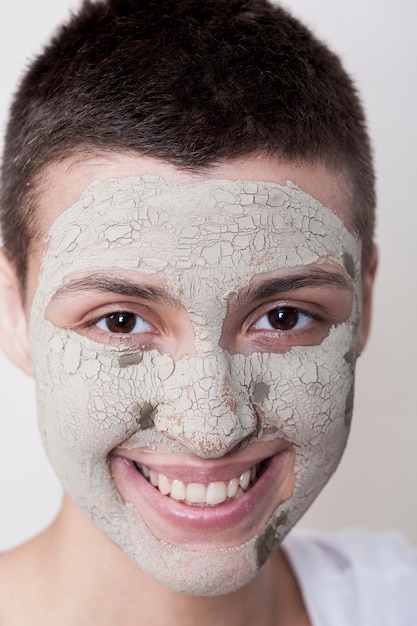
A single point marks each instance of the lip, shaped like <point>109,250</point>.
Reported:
<point>233,522</point>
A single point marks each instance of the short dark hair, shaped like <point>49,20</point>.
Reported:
<point>193,83</point>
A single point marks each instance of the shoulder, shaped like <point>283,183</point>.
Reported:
<point>372,575</point>
<point>361,549</point>
<point>20,585</point>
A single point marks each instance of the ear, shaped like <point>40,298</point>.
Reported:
<point>14,338</point>
<point>367,293</point>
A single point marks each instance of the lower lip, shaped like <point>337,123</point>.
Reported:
<point>244,512</point>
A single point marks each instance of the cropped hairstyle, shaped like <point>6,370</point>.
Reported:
<point>191,82</point>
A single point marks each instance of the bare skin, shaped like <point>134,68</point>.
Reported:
<point>72,574</point>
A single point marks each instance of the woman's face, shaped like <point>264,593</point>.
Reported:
<point>194,342</point>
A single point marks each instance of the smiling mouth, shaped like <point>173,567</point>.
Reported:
<point>203,494</point>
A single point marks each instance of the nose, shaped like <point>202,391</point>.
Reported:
<point>203,407</point>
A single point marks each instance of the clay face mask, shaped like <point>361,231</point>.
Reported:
<point>200,245</point>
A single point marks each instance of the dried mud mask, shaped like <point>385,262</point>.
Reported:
<point>204,242</point>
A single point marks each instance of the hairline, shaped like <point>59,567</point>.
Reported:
<point>37,231</point>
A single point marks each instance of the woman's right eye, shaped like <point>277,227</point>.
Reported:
<point>123,322</point>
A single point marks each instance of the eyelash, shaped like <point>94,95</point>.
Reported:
<point>102,323</point>
<point>285,315</point>
<point>106,319</point>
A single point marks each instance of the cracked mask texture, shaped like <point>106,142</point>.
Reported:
<point>208,240</point>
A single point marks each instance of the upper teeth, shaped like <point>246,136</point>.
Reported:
<point>200,493</point>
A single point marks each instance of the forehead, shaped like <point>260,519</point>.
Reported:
<point>60,184</point>
<point>219,232</point>
<point>63,183</point>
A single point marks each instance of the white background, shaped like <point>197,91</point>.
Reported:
<point>375,485</point>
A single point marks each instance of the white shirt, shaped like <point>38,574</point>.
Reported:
<point>355,577</point>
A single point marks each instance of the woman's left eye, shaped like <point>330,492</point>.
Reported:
<point>123,322</point>
<point>283,319</point>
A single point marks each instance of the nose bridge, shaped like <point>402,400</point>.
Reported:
<point>202,407</point>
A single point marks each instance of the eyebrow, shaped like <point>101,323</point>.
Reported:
<point>313,277</point>
<point>122,287</point>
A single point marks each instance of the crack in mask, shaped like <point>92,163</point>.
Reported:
<point>207,240</point>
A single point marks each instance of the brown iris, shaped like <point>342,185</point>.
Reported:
<point>283,319</point>
<point>121,322</point>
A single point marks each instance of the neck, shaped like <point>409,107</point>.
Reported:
<point>107,587</point>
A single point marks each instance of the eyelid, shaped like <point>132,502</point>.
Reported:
<point>111,315</point>
<point>129,310</point>
<point>314,311</point>
<point>94,314</point>
<point>290,330</point>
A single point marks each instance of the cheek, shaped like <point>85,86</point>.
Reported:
<point>87,398</point>
<point>91,401</point>
<point>306,395</point>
